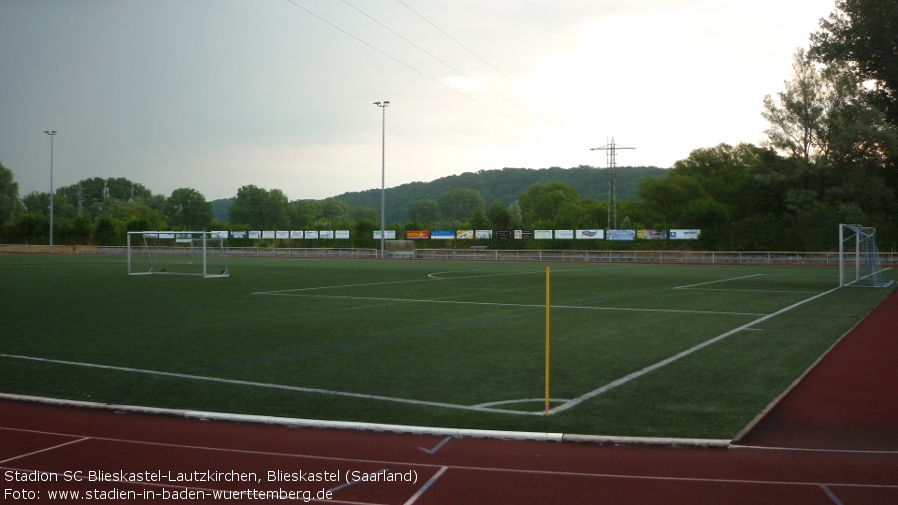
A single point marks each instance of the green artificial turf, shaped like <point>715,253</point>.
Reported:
<point>440,333</point>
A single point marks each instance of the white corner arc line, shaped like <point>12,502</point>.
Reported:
<point>70,442</point>
<point>675,357</point>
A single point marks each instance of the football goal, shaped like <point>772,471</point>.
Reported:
<point>859,263</point>
<point>178,253</point>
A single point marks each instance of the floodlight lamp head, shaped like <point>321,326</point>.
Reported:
<point>50,132</point>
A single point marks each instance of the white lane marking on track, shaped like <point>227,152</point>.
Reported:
<point>70,442</point>
<point>459,467</point>
<point>429,483</point>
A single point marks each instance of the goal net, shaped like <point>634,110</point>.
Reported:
<point>859,262</point>
<point>178,253</point>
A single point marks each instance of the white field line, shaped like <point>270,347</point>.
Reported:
<point>435,275</point>
<point>715,282</point>
<point>430,277</point>
<point>523,400</point>
<point>753,290</point>
<point>267,385</point>
<point>526,305</point>
<point>651,368</point>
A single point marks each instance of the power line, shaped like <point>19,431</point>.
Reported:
<point>413,69</point>
<point>487,88</point>
<point>525,88</point>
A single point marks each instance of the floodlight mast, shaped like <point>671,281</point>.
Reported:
<point>51,133</point>
<point>611,158</point>
<point>383,150</point>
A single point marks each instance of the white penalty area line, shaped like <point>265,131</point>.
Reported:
<point>715,282</point>
<point>521,305</point>
<point>683,354</point>
<point>754,290</point>
<point>298,389</point>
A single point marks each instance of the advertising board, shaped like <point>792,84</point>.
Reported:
<point>621,234</point>
<point>590,234</point>
<point>564,234</point>
<point>684,234</point>
<point>417,234</point>
<point>651,234</point>
<point>442,234</point>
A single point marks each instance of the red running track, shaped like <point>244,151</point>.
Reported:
<point>832,440</point>
<point>468,471</point>
<point>849,400</point>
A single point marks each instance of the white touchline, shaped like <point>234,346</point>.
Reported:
<point>526,305</point>
<point>640,373</point>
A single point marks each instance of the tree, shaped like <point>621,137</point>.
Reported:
<point>10,205</point>
<point>669,197</point>
<point>424,211</point>
<point>123,189</point>
<point>459,204</point>
<point>498,216</point>
<point>823,116</point>
<point>865,34</point>
<point>543,202</point>
<point>188,208</point>
<point>303,213</point>
<point>334,209</point>
<point>260,208</point>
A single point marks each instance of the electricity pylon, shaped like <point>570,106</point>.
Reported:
<point>611,156</point>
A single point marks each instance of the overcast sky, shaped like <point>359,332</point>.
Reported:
<point>216,94</point>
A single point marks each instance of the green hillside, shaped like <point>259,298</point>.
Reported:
<point>505,185</point>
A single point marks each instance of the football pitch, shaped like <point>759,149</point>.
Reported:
<point>636,350</point>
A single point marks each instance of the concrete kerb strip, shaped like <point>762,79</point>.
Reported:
<point>359,426</point>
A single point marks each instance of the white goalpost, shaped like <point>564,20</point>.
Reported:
<point>859,263</point>
<point>197,253</point>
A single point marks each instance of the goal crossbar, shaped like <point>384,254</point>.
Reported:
<point>859,262</point>
<point>195,253</point>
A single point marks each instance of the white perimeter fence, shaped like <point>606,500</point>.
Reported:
<point>888,259</point>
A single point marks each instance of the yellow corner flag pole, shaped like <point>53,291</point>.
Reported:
<point>547,341</point>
